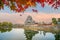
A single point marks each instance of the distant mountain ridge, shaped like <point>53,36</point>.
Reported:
<point>17,19</point>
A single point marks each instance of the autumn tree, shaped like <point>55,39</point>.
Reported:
<point>22,5</point>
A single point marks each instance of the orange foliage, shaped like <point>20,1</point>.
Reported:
<point>22,5</point>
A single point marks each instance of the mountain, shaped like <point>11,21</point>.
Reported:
<point>17,19</point>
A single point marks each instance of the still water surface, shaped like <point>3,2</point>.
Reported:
<point>22,34</point>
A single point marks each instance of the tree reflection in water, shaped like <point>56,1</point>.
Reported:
<point>2,30</point>
<point>29,34</point>
<point>57,36</point>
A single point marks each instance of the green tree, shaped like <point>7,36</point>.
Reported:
<point>58,19</point>
<point>54,21</point>
<point>10,24</point>
<point>6,24</point>
<point>0,24</point>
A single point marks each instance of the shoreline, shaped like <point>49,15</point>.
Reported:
<point>40,28</point>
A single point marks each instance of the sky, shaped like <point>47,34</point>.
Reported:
<point>15,18</point>
<point>46,9</point>
<point>44,14</point>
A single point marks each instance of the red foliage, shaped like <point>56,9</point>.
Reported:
<point>26,6</point>
<point>34,10</point>
<point>22,5</point>
<point>51,1</point>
